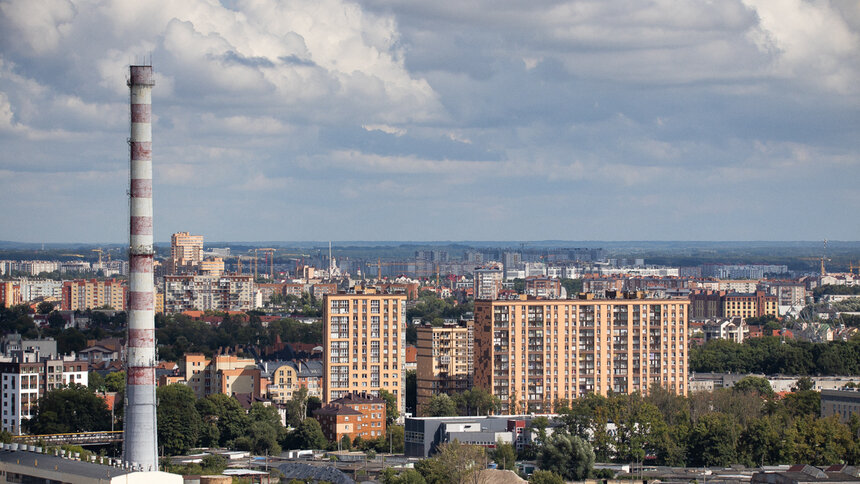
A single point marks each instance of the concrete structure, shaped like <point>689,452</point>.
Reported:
<point>843,403</point>
<point>13,343</point>
<point>213,266</point>
<point>364,341</point>
<point>186,252</point>
<point>423,435</point>
<point>225,293</point>
<point>353,415</point>
<point>532,353</point>
<point>445,360</point>
<point>27,377</point>
<point>289,377</point>
<point>488,283</point>
<point>32,467</point>
<point>227,374</point>
<point>543,287</point>
<point>83,294</point>
<point>807,474</point>
<point>140,443</point>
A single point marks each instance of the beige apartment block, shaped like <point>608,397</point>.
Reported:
<point>82,294</point>
<point>533,353</point>
<point>186,252</point>
<point>227,374</point>
<point>445,363</point>
<point>364,341</point>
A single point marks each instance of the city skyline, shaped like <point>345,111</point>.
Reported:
<point>388,120</point>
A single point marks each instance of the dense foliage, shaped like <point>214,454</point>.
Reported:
<point>74,408</point>
<point>178,334</point>
<point>771,356</point>
<point>746,425</point>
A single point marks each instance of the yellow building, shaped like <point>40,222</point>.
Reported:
<point>83,294</point>
<point>364,344</point>
<point>225,374</point>
<point>750,305</point>
<point>186,252</point>
<point>212,267</point>
<point>293,376</point>
<point>444,360</point>
<point>533,353</point>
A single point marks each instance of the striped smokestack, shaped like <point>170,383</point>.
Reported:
<point>140,437</point>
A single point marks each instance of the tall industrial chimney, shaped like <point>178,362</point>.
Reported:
<point>140,445</point>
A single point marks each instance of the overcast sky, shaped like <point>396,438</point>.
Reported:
<point>436,120</point>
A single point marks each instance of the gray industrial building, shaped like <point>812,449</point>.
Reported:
<point>424,434</point>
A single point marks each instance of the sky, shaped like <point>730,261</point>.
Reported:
<point>436,120</point>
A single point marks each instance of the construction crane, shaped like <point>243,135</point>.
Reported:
<point>100,255</point>
<point>269,255</point>
<point>379,265</point>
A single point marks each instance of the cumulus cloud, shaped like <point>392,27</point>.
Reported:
<point>452,117</point>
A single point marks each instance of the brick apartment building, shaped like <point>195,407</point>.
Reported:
<point>353,415</point>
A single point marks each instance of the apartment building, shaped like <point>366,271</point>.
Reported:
<point>225,293</point>
<point>532,353</point>
<point>292,376</point>
<point>10,293</point>
<point>29,376</point>
<point>445,363</point>
<point>353,415</point>
<point>750,305</point>
<point>488,283</point>
<point>227,374</point>
<point>364,340</point>
<point>543,287</point>
<point>186,252</point>
<point>83,294</point>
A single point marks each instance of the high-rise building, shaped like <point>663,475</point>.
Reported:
<point>224,293</point>
<point>364,341</point>
<point>488,283</point>
<point>10,293</point>
<point>83,294</point>
<point>445,362</point>
<point>186,252</point>
<point>533,353</point>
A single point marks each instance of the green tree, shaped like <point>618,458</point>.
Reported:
<point>505,456</point>
<point>391,412</point>
<point>308,435</point>
<point>56,321</point>
<point>476,401</point>
<point>803,384</point>
<point>95,381</point>
<point>44,307</point>
<point>440,405</point>
<point>179,422</point>
<point>115,382</point>
<point>395,436</point>
<point>226,414</point>
<point>755,384</point>
<point>71,409</point>
<point>713,441</point>
<point>345,443</point>
<point>408,476</point>
<point>297,407</point>
<point>461,462</point>
<point>432,471</point>
<point>545,477</point>
<point>768,440</point>
<point>567,455</point>
<point>805,402</point>
<point>823,441</point>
